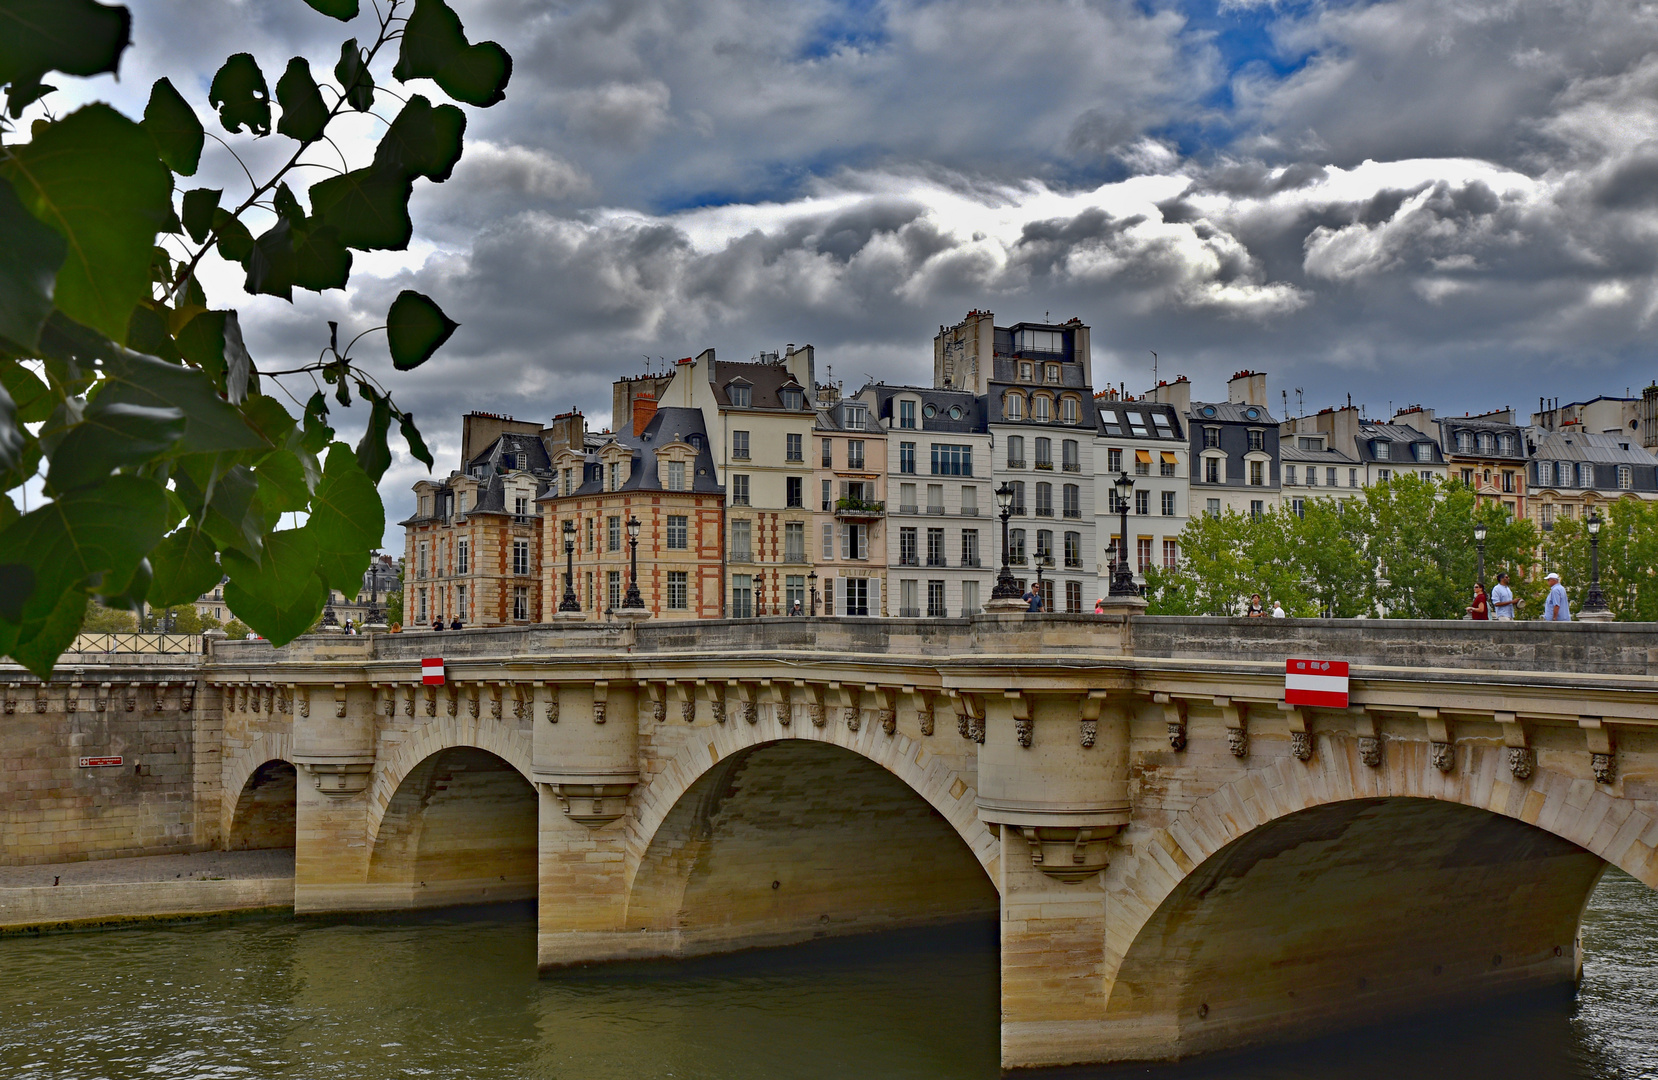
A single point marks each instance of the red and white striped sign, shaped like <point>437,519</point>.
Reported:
<point>100,762</point>
<point>431,671</point>
<point>1316,682</point>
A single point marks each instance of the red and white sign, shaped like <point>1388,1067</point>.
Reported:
<point>431,671</point>
<point>101,762</point>
<point>1316,682</point>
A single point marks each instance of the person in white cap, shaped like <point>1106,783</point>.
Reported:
<point>1556,608</point>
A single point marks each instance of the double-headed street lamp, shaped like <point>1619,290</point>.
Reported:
<point>1122,577</point>
<point>1595,601</point>
<point>1006,588</point>
<point>1479,546</point>
<point>570,603</point>
<point>633,599</point>
<point>811,580</point>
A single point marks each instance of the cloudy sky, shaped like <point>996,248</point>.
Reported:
<point>1451,202</point>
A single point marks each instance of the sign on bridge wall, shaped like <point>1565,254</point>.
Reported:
<point>1316,682</point>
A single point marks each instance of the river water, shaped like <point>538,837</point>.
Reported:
<point>457,996</point>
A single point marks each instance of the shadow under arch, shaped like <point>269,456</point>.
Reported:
<point>264,815</point>
<point>1348,913</point>
<point>795,838</point>
<point>460,828</point>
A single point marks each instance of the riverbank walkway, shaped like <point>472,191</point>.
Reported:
<point>99,892</point>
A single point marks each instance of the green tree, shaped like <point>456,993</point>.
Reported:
<point>166,456</point>
<point>103,620</point>
<point>394,608</point>
<point>236,630</point>
<point>1628,555</point>
<point>1328,549</point>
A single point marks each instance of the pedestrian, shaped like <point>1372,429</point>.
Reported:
<point>1277,610</point>
<point>437,623</point>
<point>1033,601</point>
<point>1099,606</point>
<point>1555,607</point>
<point>1481,608</point>
<point>1254,610</point>
<point>1502,599</point>
<point>349,628</point>
<point>455,623</point>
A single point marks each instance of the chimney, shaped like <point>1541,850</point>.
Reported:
<point>644,407</point>
<point>1177,393</point>
<point>566,431</point>
<point>1248,388</point>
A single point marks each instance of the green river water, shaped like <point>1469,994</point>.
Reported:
<point>457,996</point>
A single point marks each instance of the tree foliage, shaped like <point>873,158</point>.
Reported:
<point>165,456</point>
<point>1628,557</point>
<point>1404,549</point>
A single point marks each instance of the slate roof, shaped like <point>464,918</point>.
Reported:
<point>667,423</point>
<point>1229,412</point>
<point>1401,436</point>
<point>972,420</point>
<point>1590,446</point>
<point>766,382</point>
<point>1112,414</point>
<point>1450,425</point>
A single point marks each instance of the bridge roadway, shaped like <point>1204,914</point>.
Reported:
<point>1180,862</point>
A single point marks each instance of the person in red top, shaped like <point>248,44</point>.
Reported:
<point>1480,609</point>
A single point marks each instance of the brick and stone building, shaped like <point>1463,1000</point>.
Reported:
<point>1234,450</point>
<point>1487,453</point>
<point>849,485</point>
<point>1572,472</point>
<point>1147,440</point>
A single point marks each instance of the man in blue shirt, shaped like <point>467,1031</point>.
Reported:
<point>1555,608</point>
<point>1502,599</point>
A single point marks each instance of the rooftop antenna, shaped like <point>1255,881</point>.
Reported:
<point>1154,367</point>
<point>1300,403</point>
<point>1286,396</point>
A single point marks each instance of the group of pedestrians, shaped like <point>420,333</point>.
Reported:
<point>1501,604</point>
<point>1256,610</point>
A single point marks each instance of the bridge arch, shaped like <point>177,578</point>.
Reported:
<point>1331,894</point>
<point>238,770</point>
<point>763,833</point>
<point>394,765</point>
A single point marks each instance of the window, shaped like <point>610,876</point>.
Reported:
<point>1142,502</point>
<point>1044,453</point>
<point>1211,438</point>
<point>1068,409</point>
<point>676,476</point>
<point>1508,479</point>
<point>907,547</point>
<point>739,489</point>
<point>739,445</point>
<point>420,597</point>
<point>970,547</point>
<point>828,540</point>
<point>461,560</point>
<point>1381,449</point>
<point>1014,407</point>
<point>1257,473</point>
<point>854,416</point>
<point>568,481</point>
<point>1026,372</point>
<point>613,588</point>
<point>1171,554</point>
<point>1016,546</point>
<point>854,541</point>
<point>615,476</point>
<point>590,545</point>
<point>969,500</point>
<point>1257,439</point>
<point>929,410</point>
<point>1142,553</point>
<point>460,602</point>
<point>909,606</point>
<point>794,541</point>
<point>935,498</point>
<point>1044,545</point>
<point>1016,451</point>
<point>520,556</point>
<point>794,398</point>
<point>1256,509</point>
<point>1211,470</point>
<point>1168,504</point>
<point>521,506</point>
<point>1142,463</point>
<point>906,414</point>
<point>794,594</point>
<point>1136,423</point>
<point>1039,408</point>
<point>1018,504</point>
<point>1508,445</point>
<point>1352,478</point>
<point>1047,591</point>
<point>1052,372</point>
<point>1073,550</point>
<point>950,460</point>
<point>678,532</point>
<point>828,454</point>
<point>521,603</point>
<point>460,502</point>
<point>935,548</point>
<point>613,533</point>
<point>794,491</point>
<point>1044,499</point>
<point>1073,500</point>
<point>935,600</point>
<point>796,446</point>
<point>906,499</point>
<point>855,454</point>
<point>1213,508</point>
<point>1113,461</point>
<point>1424,451</point>
<point>1309,443</point>
<point>1068,451</point>
<point>857,596</point>
<point>1384,475</point>
<point>420,561</point>
<point>1289,474</point>
<point>742,596</point>
<point>969,598</point>
<point>1585,475</point>
<point>679,590</point>
<point>1048,341</point>
<point>828,502</point>
<point>741,396</point>
<point>1298,507</point>
<point>906,457</point>
<point>742,531</point>
<point>1465,441</point>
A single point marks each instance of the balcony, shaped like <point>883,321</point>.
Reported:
<point>909,560</point>
<point>909,613</point>
<point>859,508</point>
<point>971,563</point>
<point>1044,511</point>
<point>795,557</point>
<point>1016,560</point>
<point>1070,513</point>
<point>938,560</point>
<point>936,511</point>
<point>741,555</point>
<point>855,464</point>
<point>1016,511</point>
<point>1045,466</point>
<point>1072,466</point>
<point>969,511</point>
<point>1016,463</point>
<point>908,508</point>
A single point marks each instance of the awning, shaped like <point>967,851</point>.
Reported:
<point>1169,458</point>
<point>1143,456</point>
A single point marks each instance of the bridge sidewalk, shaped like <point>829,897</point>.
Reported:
<point>107,891</point>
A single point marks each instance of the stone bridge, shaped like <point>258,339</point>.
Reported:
<point>1180,863</point>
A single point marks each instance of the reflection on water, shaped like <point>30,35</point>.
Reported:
<point>458,997</point>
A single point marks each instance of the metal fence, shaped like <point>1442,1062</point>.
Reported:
<point>137,643</point>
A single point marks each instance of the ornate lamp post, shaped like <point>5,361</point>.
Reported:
<point>1595,601</point>
<point>811,580</point>
<point>570,603</point>
<point>1122,577</point>
<point>1043,562</point>
<point>1006,588</point>
<point>1479,546</point>
<point>759,595</point>
<point>633,599</point>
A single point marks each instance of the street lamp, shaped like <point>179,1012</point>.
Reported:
<point>811,580</point>
<point>1122,578</point>
<point>1006,588</point>
<point>1479,547</point>
<point>633,599</point>
<point>1043,562</point>
<point>1594,601</point>
<point>570,603</point>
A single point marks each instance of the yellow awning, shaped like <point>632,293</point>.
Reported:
<point>1169,458</point>
<point>1143,456</point>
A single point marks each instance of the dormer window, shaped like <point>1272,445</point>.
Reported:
<point>1015,407</point>
<point>676,476</point>
<point>1025,371</point>
<point>479,471</point>
<point>793,397</point>
<point>1465,441</point>
<point>1424,451</point>
<point>741,394</point>
<point>854,417</point>
<point>1508,445</point>
<point>1053,373</point>
<point>1379,449</point>
<point>1310,442</point>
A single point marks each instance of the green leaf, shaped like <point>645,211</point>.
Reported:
<point>268,417</point>
<point>373,455</point>
<point>320,260</point>
<point>288,207</point>
<point>343,10</point>
<point>147,333</point>
<point>42,642</point>
<point>304,113</point>
<point>210,423</point>
<point>112,437</point>
<point>317,432</point>
<point>367,208</point>
<point>415,329</point>
<point>224,502</point>
<point>12,436</point>
<point>213,342</point>
<point>280,596</point>
<point>200,204</point>
<point>172,123</point>
<point>184,566</point>
<point>347,520</point>
<point>422,140</point>
<point>76,37</point>
<point>356,81</point>
<point>282,483</point>
<point>434,46</point>
<point>235,242</point>
<point>94,177</point>
<point>20,95</point>
<point>34,399</point>
<point>29,263</point>
<point>271,262</point>
<point>17,582</point>
<point>417,445</point>
<point>241,96</point>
